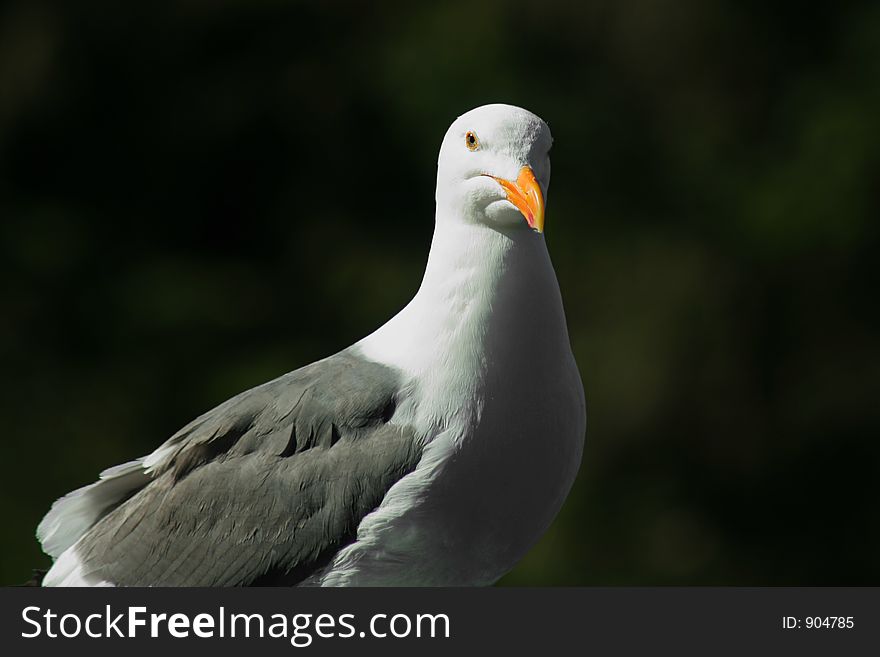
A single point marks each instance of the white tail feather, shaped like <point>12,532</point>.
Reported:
<point>68,570</point>
<point>71,516</point>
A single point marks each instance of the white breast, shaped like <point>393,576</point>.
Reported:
<point>496,395</point>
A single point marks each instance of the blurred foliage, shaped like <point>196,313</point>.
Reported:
<point>198,196</point>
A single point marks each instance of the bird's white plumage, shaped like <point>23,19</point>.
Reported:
<point>488,382</point>
<point>494,384</point>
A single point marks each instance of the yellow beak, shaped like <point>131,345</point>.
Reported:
<point>526,195</point>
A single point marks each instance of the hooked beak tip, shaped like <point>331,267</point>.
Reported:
<point>526,195</point>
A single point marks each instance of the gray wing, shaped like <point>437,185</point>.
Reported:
<point>265,488</point>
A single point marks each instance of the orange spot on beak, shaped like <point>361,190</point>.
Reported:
<point>526,196</point>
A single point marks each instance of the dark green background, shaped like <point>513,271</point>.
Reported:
<point>197,197</point>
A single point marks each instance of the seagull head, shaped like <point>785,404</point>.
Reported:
<point>494,169</point>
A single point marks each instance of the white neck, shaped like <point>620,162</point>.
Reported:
<point>485,295</point>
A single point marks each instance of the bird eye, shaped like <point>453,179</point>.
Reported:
<point>471,141</point>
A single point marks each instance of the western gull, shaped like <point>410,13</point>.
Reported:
<point>434,452</point>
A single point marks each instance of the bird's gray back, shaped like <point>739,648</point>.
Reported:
<point>263,489</point>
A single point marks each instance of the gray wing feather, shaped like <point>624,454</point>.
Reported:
<point>265,488</point>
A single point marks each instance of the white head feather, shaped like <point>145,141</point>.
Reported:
<point>507,139</point>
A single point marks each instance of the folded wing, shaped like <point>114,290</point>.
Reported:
<point>262,490</point>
